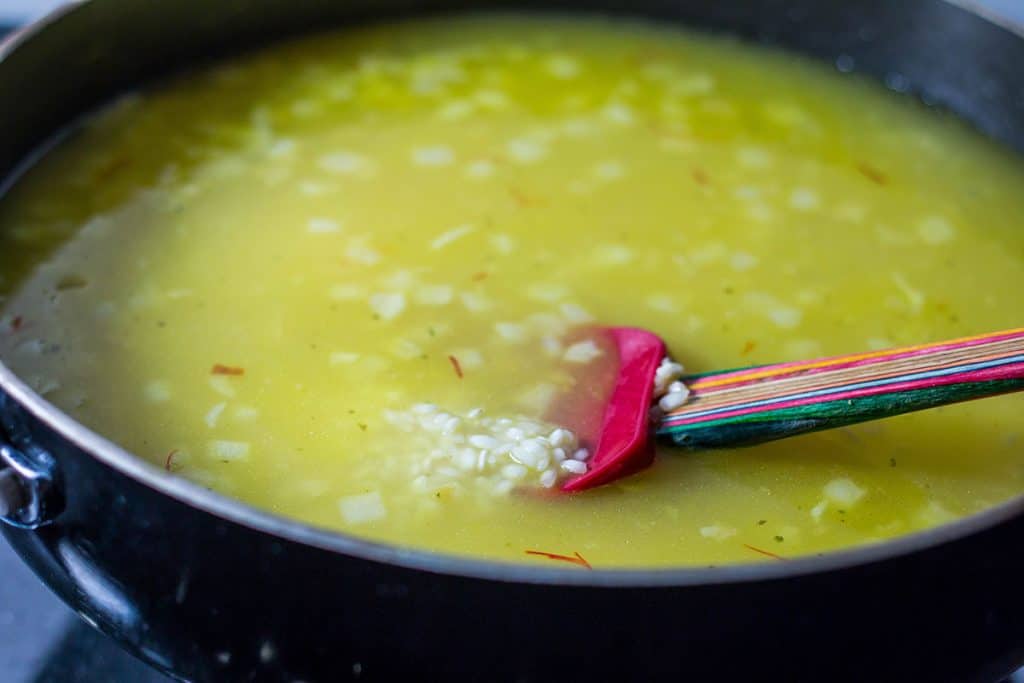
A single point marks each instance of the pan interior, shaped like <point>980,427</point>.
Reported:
<point>748,205</point>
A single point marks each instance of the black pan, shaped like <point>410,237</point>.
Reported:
<point>206,588</point>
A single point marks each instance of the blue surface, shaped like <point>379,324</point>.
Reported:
<point>42,641</point>
<point>20,11</point>
<point>27,609</point>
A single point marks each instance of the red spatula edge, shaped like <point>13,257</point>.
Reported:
<point>625,444</point>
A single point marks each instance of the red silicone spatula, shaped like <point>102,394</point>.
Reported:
<point>622,438</point>
<point>753,405</point>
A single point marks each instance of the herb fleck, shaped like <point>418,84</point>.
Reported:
<point>71,282</point>
<point>169,462</point>
<point>873,174</point>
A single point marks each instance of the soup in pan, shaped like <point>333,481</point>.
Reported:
<point>344,278</point>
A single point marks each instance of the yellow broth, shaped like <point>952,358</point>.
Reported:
<point>338,215</point>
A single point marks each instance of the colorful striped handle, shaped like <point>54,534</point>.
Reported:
<point>752,405</point>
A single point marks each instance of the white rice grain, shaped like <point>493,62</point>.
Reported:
<point>804,199</point>
<point>754,157</point>
<point>562,67</point>
<point>612,254</point>
<point>246,413</point>
<point>786,317</point>
<point>433,295</point>
<point>562,438</point>
<point>446,238</point>
<point>843,491</point>
<point>618,113</point>
<point>222,385</point>
<point>433,156</point>
<point>343,358</point>
<point>158,392</point>
<point>663,303</point>
<point>526,151</point>
<point>483,441</point>
<point>673,400</point>
<point>212,416</point>
<point>347,292</point>
<point>582,352</point>
<point>343,162</point>
<point>363,508</point>
<point>456,110</point>
<point>388,305</point>
<point>935,230</point>
<point>491,99</point>
<point>575,313</point>
<point>229,450</point>
<point>322,226</point>
<point>475,302</point>
<point>282,148</point>
<point>503,243</point>
<point>609,170</point>
<point>574,466</point>
<point>363,254</point>
<point>511,332</point>
<point>480,169</point>
<point>718,532</point>
<point>547,291</point>
<point>552,346</point>
<point>741,261</point>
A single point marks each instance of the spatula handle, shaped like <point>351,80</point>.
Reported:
<point>767,402</point>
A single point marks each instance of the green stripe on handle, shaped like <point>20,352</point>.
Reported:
<point>763,403</point>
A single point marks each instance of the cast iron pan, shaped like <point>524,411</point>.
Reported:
<point>208,589</point>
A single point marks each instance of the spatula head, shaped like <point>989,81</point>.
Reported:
<point>610,409</point>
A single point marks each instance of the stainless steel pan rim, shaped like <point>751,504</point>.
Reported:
<point>233,510</point>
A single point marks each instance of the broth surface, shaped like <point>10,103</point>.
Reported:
<point>333,220</point>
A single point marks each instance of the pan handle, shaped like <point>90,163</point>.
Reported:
<point>30,495</point>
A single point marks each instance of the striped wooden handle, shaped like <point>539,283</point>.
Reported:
<point>753,405</point>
